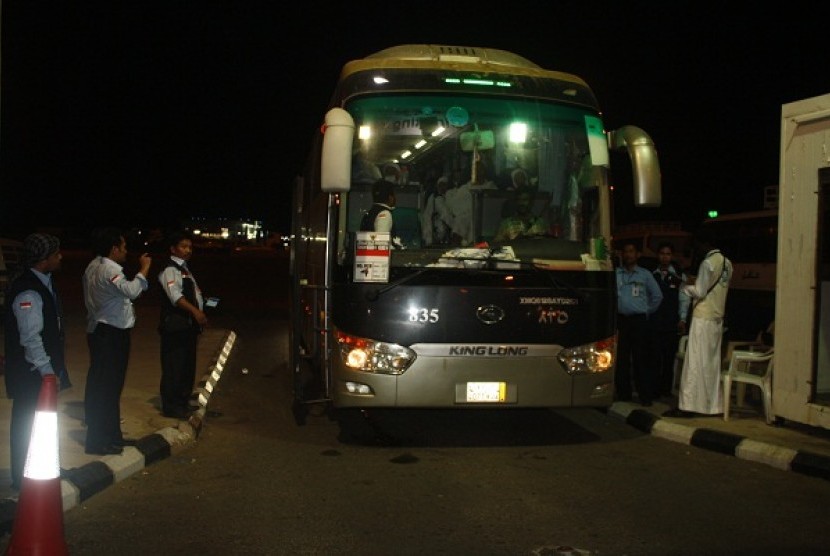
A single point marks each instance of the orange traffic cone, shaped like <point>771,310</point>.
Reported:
<point>38,523</point>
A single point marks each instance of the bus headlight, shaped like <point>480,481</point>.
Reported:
<point>364,354</point>
<point>596,357</point>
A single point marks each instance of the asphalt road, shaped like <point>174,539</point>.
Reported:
<point>441,482</point>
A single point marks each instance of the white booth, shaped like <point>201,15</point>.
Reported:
<point>801,378</point>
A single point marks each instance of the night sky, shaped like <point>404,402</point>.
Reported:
<point>145,113</point>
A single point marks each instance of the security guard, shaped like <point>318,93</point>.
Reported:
<point>638,297</point>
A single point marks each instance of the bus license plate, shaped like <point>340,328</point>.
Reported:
<point>486,392</point>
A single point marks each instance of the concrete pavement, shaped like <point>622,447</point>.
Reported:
<point>746,435</point>
<point>789,447</point>
<point>158,437</point>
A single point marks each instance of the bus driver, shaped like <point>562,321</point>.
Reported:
<point>524,223</point>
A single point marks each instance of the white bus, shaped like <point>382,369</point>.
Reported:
<point>522,322</point>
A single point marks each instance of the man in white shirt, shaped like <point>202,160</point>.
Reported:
<point>108,296</point>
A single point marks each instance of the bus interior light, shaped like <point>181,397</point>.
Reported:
<point>518,132</point>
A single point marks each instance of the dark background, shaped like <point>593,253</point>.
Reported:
<point>146,113</point>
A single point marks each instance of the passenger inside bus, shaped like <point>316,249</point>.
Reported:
<point>392,173</point>
<point>460,202</point>
<point>523,223</point>
<point>363,170</point>
<point>571,209</point>
<point>436,218</point>
<point>518,179</point>
<point>379,216</point>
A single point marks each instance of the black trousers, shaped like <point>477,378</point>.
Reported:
<point>178,369</point>
<point>665,350</point>
<point>109,353</point>
<point>633,359</point>
<point>24,406</point>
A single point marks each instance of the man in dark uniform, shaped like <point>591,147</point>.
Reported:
<point>182,320</point>
<point>669,321</point>
<point>34,340</point>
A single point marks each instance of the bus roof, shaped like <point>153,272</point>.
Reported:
<point>460,58</point>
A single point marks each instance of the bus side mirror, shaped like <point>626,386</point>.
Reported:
<point>336,161</point>
<point>645,167</point>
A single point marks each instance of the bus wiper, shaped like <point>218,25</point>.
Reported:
<point>554,280</point>
<point>373,294</point>
<point>491,256</point>
<point>557,282</point>
<point>505,255</point>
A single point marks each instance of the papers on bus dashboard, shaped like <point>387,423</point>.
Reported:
<point>473,257</point>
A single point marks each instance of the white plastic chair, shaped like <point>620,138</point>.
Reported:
<point>678,363</point>
<point>749,367</point>
<point>756,345</point>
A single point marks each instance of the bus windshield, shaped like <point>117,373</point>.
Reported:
<point>517,175</point>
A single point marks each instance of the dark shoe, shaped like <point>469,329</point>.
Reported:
<point>678,413</point>
<point>63,380</point>
<point>177,413</point>
<point>110,450</point>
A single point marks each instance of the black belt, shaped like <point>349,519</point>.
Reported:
<point>633,317</point>
<point>104,326</point>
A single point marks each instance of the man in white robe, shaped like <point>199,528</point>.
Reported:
<point>700,384</point>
